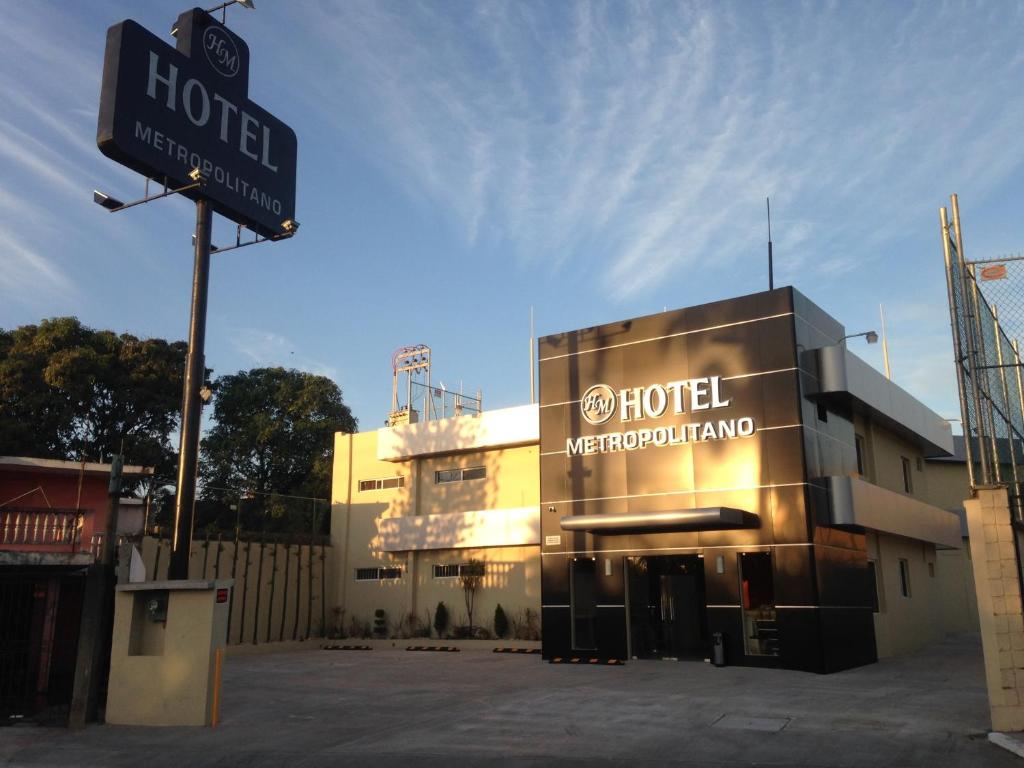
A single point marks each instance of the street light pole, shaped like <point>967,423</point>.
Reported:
<point>191,402</point>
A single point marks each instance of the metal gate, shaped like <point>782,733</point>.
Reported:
<point>39,620</point>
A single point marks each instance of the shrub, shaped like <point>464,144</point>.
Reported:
<point>337,628</point>
<point>441,619</point>
<point>500,622</point>
<point>526,624</point>
<point>359,628</point>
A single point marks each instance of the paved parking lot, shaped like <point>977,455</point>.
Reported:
<point>380,708</point>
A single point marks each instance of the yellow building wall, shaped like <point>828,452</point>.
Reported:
<point>942,600</point>
<point>512,573</point>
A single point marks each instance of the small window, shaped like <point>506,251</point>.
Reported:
<point>446,571</point>
<point>904,578</point>
<point>383,483</point>
<point>453,571</point>
<point>873,585</point>
<point>377,574</point>
<point>822,412</point>
<point>858,442</point>
<point>458,475</point>
<point>908,480</point>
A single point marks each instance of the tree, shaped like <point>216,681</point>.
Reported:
<point>70,392</point>
<point>273,437</point>
<point>471,575</point>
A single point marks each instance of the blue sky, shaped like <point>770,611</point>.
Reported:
<point>460,162</point>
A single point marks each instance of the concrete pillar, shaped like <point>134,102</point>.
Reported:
<point>997,581</point>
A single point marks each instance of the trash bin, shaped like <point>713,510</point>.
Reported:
<point>718,649</point>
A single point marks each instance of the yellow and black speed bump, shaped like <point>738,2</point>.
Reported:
<point>517,650</point>
<point>587,660</point>
<point>347,648</point>
<point>441,648</point>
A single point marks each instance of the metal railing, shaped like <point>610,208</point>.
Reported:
<point>41,526</point>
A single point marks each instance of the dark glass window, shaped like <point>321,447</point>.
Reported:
<point>376,485</point>
<point>457,475</point>
<point>904,578</point>
<point>583,587</point>
<point>474,473</point>
<point>908,480</point>
<point>858,442</point>
<point>873,585</point>
<point>822,412</point>
<point>453,571</point>
<point>760,621</point>
<point>377,574</point>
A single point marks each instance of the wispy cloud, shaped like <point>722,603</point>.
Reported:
<point>266,348</point>
<point>638,139</point>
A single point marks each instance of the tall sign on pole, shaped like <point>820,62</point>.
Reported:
<point>182,114</point>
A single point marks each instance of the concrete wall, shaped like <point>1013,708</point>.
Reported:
<point>282,600</point>
<point>163,672</point>
<point>942,599</point>
<point>997,573</point>
<point>904,624</point>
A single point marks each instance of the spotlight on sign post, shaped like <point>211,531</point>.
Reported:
<point>182,116</point>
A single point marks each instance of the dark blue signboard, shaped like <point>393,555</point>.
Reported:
<point>166,111</point>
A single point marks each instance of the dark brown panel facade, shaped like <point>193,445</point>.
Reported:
<point>699,408</point>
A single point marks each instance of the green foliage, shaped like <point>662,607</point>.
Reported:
<point>500,622</point>
<point>272,437</point>
<point>71,392</point>
<point>441,619</point>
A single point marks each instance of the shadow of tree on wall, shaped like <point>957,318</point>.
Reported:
<point>444,522</point>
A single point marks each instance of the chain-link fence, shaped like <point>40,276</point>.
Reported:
<point>987,316</point>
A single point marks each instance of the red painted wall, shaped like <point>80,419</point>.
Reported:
<point>63,491</point>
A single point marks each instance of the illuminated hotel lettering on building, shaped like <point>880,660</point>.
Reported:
<point>167,111</point>
<point>600,403</point>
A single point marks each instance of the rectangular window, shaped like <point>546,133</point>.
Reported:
<point>822,412</point>
<point>453,571</point>
<point>378,574</point>
<point>381,484</point>
<point>873,585</point>
<point>757,585</point>
<point>458,475</point>
<point>904,578</point>
<point>583,591</point>
<point>908,480</point>
<point>858,442</point>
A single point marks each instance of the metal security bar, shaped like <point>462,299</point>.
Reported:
<point>988,367</point>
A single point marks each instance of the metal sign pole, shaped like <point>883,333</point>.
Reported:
<point>191,406</point>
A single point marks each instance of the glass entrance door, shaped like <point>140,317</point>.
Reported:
<point>667,607</point>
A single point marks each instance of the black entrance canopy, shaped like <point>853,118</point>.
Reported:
<point>675,520</point>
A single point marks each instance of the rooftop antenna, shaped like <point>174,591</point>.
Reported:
<point>533,375</point>
<point>771,276</point>
<point>885,343</point>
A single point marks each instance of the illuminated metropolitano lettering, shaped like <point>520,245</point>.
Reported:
<point>660,437</point>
